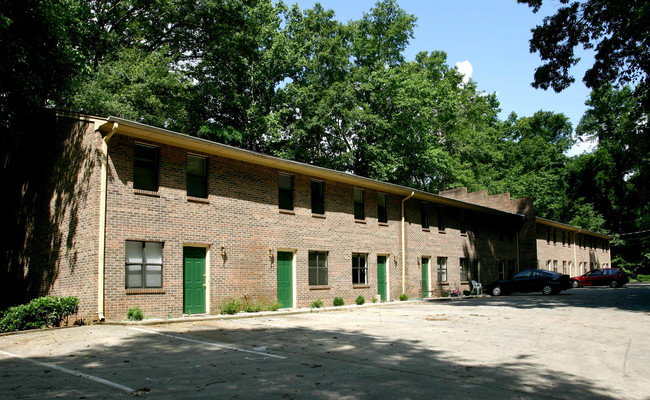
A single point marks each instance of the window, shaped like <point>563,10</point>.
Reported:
<point>359,269</point>
<point>317,198</point>
<point>549,264</point>
<point>382,211</point>
<point>464,273</point>
<point>285,192</point>
<point>501,267</point>
<point>511,268</point>
<point>143,264</point>
<point>548,235</point>
<point>197,176</point>
<point>317,268</point>
<point>442,269</point>
<point>563,239</point>
<point>564,267</point>
<point>475,268</point>
<point>359,209</point>
<point>145,167</point>
<point>463,223</point>
<point>424,215</point>
<point>554,265</point>
<point>554,236</point>
<point>441,219</point>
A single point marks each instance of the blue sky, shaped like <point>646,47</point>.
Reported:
<point>493,36</point>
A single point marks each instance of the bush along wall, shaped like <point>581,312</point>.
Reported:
<point>43,311</point>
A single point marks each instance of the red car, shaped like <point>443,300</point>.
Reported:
<point>612,277</point>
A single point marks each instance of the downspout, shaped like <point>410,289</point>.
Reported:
<point>404,245</point>
<point>102,223</point>
<point>575,254</point>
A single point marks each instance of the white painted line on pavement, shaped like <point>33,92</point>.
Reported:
<point>209,343</point>
<point>71,372</point>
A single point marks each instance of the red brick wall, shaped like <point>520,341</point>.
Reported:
<point>242,214</point>
<point>580,256</point>
<point>62,245</point>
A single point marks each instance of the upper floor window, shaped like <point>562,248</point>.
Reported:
<point>317,268</point>
<point>441,218</point>
<point>424,214</point>
<point>143,264</point>
<point>359,269</point>
<point>317,198</point>
<point>382,211</point>
<point>197,176</point>
<point>285,195</point>
<point>463,222</point>
<point>145,167</point>
<point>359,207</point>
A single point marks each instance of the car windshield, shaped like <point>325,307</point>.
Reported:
<point>523,274</point>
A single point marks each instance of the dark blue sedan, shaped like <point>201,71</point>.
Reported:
<point>531,280</point>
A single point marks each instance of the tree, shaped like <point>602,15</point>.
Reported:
<point>533,161</point>
<point>618,31</point>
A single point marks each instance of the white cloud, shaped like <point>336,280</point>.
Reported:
<point>465,68</point>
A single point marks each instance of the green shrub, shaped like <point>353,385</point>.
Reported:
<point>231,307</point>
<point>135,314</point>
<point>40,312</point>
<point>360,300</point>
<point>444,294</point>
<point>316,304</point>
<point>374,299</point>
<point>403,297</point>
<point>643,278</point>
<point>274,306</point>
<point>253,306</point>
<point>338,302</point>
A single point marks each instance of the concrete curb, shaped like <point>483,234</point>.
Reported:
<point>291,311</point>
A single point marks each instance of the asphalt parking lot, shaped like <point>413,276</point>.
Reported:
<point>588,343</point>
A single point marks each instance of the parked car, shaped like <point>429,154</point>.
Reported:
<point>613,277</point>
<point>531,280</point>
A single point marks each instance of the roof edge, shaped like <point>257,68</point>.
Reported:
<point>144,131</point>
<point>576,229</point>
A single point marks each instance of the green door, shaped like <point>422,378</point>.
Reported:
<point>285,279</point>
<point>425,277</point>
<point>193,280</point>
<point>381,277</point>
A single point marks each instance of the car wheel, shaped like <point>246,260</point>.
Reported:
<point>613,284</point>
<point>575,284</point>
<point>496,291</point>
<point>547,289</point>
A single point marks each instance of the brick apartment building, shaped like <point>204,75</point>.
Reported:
<point>174,224</point>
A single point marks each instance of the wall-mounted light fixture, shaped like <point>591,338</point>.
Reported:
<point>223,249</point>
<point>271,253</point>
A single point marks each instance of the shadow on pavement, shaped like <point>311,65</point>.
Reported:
<point>316,364</point>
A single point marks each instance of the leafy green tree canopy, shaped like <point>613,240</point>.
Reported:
<point>618,32</point>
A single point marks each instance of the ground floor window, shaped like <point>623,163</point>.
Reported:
<point>501,267</point>
<point>143,264</point>
<point>359,269</point>
<point>464,269</point>
<point>554,265</point>
<point>317,268</point>
<point>442,269</point>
